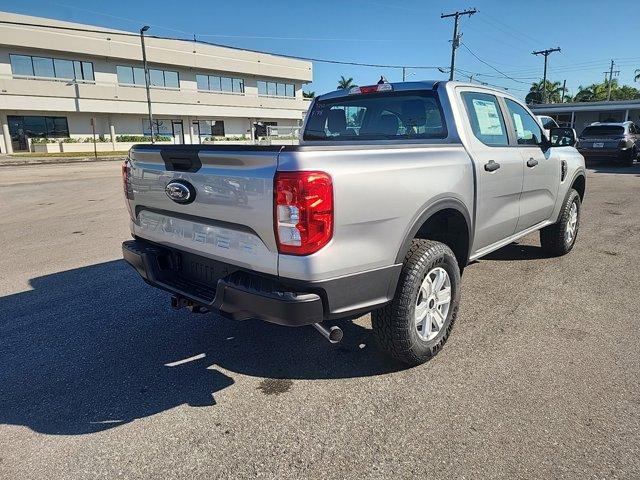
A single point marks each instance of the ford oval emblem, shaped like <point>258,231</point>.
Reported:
<point>180,191</point>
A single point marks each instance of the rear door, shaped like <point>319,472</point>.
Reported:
<point>541,168</point>
<point>230,215</point>
<point>498,168</point>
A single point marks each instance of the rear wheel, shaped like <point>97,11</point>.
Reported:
<point>559,238</point>
<point>627,161</point>
<point>415,325</point>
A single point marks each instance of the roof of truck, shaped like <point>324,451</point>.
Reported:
<point>417,85</point>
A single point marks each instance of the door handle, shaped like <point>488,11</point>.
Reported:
<point>491,166</point>
<point>532,162</point>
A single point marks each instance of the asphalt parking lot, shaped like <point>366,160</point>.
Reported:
<point>99,378</point>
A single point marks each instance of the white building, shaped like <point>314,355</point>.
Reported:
<point>63,82</point>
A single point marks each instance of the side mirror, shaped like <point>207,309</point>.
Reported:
<point>562,137</point>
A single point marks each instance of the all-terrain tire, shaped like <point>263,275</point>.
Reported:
<point>394,325</point>
<point>553,238</point>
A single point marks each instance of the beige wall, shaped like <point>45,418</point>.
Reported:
<point>184,54</point>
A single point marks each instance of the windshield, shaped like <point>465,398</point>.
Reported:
<point>598,130</point>
<point>378,116</point>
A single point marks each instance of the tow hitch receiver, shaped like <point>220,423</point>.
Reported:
<point>178,302</point>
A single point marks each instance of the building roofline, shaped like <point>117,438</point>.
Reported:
<point>16,25</point>
<point>583,105</point>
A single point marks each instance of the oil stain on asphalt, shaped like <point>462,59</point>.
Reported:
<point>275,386</point>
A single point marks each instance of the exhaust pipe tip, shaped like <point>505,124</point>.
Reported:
<point>333,334</point>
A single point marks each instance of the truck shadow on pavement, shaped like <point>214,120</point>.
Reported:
<point>517,251</point>
<point>93,348</point>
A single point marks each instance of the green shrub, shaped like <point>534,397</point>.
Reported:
<point>142,138</point>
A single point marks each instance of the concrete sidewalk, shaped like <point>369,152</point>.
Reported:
<point>17,160</point>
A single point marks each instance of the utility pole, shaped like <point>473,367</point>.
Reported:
<point>455,43</point>
<point>611,73</point>
<point>404,73</point>
<point>147,79</point>
<point>564,89</point>
<point>546,54</point>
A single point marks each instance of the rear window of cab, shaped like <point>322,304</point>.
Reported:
<point>406,115</point>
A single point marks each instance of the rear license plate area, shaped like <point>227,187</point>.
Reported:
<point>202,270</point>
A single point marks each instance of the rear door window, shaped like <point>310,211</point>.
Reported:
<point>377,116</point>
<point>486,118</point>
<point>528,131</point>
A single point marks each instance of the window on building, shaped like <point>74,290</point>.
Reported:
<point>276,89</point>
<point>87,71</point>
<point>63,68</point>
<point>43,67</point>
<point>171,79</point>
<point>46,67</point>
<point>21,65</point>
<point>217,128</point>
<point>289,90</point>
<point>226,84</point>
<point>203,82</point>
<point>214,83</point>
<point>125,75</point>
<point>38,126</point>
<point>157,78</point>
<point>138,76</point>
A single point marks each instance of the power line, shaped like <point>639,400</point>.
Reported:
<point>295,57</point>
<point>491,66</point>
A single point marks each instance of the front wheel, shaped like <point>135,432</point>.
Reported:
<point>558,239</point>
<point>415,325</point>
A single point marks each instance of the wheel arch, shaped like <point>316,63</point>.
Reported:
<point>579,184</point>
<point>448,221</point>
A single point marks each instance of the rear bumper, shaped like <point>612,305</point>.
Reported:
<point>621,153</point>
<point>242,294</point>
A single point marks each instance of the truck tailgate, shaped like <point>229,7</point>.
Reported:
<point>229,219</point>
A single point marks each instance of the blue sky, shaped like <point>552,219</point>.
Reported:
<point>391,32</point>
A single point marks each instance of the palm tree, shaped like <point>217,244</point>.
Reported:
<point>595,92</point>
<point>308,94</point>
<point>536,93</point>
<point>637,75</point>
<point>345,83</point>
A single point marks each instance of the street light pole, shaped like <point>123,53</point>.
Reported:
<point>147,79</point>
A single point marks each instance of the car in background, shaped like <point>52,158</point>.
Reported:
<point>547,122</point>
<point>618,141</point>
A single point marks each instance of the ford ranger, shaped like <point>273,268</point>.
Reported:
<point>392,191</point>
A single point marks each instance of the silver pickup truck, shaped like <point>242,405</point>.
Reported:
<point>393,189</point>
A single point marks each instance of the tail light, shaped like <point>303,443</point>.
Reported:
<point>126,186</point>
<point>303,211</point>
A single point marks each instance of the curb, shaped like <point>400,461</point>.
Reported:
<point>19,162</point>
